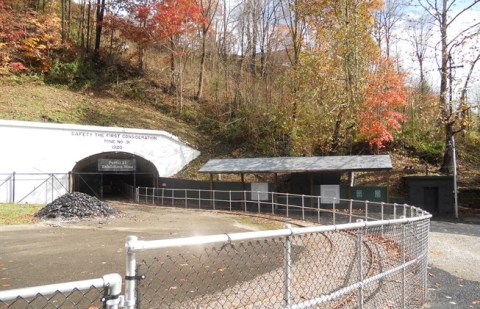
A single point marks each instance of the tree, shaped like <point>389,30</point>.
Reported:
<point>386,19</point>
<point>297,27</point>
<point>385,97</point>
<point>343,39</point>
<point>269,20</point>
<point>421,35</point>
<point>28,39</point>
<point>209,10</point>
<point>138,26</point>
<point>172,19</point>
<point>98,28</point>
<point>445,13</point>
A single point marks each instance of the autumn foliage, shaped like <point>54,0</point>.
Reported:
<point>28,39</point>
<point>174,17</point>
<point>160,20</point>
<point>385,97</point>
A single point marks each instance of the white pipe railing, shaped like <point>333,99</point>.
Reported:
<point>111,281</point>
<point>283,204</point>
<point>368,215</point>
<point>135,246</point>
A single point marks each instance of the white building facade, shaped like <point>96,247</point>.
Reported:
<point>41,161</point>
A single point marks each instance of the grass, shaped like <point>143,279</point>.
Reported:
<point>11,214</point>
<point>34,101</point>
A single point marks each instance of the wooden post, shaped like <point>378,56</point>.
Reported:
<point>276,182</point>
<point>311,184</point>
<point>351,182</point>
<point>242,177</point>
<point>211,189</point>
<point>311,190</point>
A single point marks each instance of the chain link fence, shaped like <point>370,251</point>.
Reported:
<point>361,255</point>
<point>366,264</point>
<point>93,294</point>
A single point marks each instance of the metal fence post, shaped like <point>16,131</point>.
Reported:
<point>273,211</point>
<point>350,211</point>
<point>52,190</point>
<point>287,267</point>
<point>130,275</point>
<point>334,211</point>
<point>360,264</point>
<point>230,199</point>
<point>258,201</point>
<point>287,205</point>
<point>114,282</point>
<point>186,200</point>
<point>318,209</point>
<point>199,198</point>
<point>381,214</point>
<point>163,194</point>
<point>303,207</point>
<point>426,228</point>
<point>245,199</point>
<point>404,276</point>
<point>394,211</point>
<point>13,187</point>
<point>366,210</point>
<point>213,198</point>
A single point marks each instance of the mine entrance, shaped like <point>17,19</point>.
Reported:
<point>113,175</point>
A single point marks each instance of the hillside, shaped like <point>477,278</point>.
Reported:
<point>36,101</point>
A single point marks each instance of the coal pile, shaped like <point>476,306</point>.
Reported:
<point>76,205</point>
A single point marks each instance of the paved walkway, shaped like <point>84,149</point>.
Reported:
<point>454,259</point>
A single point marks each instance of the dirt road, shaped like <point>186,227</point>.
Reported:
<point>56,251</point>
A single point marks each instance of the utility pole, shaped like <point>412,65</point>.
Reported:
<point>452,142</point>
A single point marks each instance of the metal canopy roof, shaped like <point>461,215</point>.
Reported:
<point>297,164</point>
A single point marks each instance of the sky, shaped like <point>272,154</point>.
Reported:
<point>461,55</point>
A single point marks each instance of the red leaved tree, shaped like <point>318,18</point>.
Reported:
<point>138,26</point>
<point>175,18</point>
<point>160,21</point>
<point>385,97</point>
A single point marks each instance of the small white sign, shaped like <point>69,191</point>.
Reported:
<point>330,194</point>
<point>259,191</point>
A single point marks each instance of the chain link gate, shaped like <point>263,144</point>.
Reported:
<point>93,294</point>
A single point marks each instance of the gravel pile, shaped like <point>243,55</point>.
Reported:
<point>76,205</point>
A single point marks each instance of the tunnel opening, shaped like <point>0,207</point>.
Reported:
<point>113,175</point>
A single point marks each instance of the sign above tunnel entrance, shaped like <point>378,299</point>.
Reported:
<point>117,165</point>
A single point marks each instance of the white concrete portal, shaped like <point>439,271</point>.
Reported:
<point>30,148</point>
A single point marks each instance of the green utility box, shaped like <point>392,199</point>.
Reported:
<point>372,194</point>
